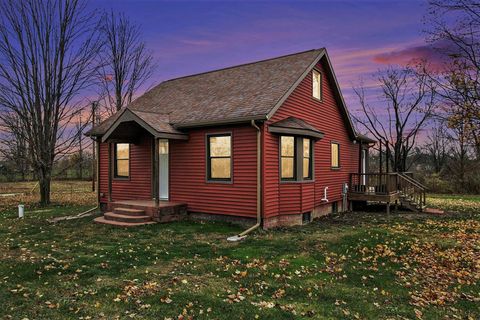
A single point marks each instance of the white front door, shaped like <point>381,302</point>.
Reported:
<point>163,169</point>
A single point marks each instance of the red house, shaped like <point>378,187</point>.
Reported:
<point>268,142</point>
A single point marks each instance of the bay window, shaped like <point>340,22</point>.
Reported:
<point>296,158</point>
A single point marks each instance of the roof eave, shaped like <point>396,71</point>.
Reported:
<point>212,123</point>
<point>128,115</point>
<point>296,131</point>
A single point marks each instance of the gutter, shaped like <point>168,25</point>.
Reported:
<point>243,234</point>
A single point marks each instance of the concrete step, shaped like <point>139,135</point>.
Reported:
<point>126,218</point>
<point>102,220</point>
<point>129,211</point>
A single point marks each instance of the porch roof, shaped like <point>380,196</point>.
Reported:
<point>156,124</point>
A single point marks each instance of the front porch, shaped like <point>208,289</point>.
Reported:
<point>139,212</point>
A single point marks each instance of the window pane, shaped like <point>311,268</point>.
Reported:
<point>122,168</point>
<point>220,168</point>
<point>288,146</point>
<point>163,146</point>
<point>335,155</point>
<point>122,150</point>
<point>316,84</point>
<point>306,147</point>
<point>220,146</point>
<point>287,167</point>
<point>306,167</point>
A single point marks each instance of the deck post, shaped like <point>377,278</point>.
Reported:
<point>156,171</point>
<point>388,208</point>
<point>110,171</point>
<point>396,206</point>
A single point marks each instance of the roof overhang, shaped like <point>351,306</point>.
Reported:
<point>295,126</point>
<point>296,132</point>
<point>225,122</point>
<point>127,116</point>
<point>365,139</point>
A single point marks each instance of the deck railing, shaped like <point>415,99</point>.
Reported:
<point>373,183</point>
<point>388,183</point>
<point>412,189</point>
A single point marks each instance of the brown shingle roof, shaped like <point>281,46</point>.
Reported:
<point>245,92</point>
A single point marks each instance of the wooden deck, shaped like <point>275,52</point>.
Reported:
<point>387,188</point>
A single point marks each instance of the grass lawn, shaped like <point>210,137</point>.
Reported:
<point>347,266</point>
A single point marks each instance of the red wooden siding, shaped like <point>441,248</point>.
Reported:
<point>293,197</point>
<point>139,185</point>
<point>188,174</point>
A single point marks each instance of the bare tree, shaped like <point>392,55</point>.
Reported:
<point>408,100</point>
<point>460,152</point>
<point>13,144</point>
<point>47,57</point>
<point>126,62</point>
<point>437,146</point>
<point>454,31</point>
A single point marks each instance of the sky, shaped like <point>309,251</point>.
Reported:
<point>361,36</point>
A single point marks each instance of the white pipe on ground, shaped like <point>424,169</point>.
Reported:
<point>21,210</point>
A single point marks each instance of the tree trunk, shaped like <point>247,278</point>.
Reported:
<point>44,179</point>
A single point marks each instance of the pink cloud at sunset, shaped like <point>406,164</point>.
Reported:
<point>411,55</point>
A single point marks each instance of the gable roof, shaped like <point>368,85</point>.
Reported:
<point>252,91</point>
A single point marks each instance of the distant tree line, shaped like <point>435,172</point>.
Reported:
<point>437,105</point>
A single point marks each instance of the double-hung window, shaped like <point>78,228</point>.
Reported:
<point>122,160</point>
<point>287,162</point>
<point>219,157</point>
<point>335,154</point>
<point>307,159</point>
<point>296,158</point>
<point>317,85</point>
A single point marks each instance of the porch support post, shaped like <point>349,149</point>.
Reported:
<point>110,172</point>
<point>155,171</point>
<point>97,169</point>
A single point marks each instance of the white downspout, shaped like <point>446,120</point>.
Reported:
<point>243,234</point>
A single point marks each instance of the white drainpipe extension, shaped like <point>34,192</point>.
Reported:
<point>325,198</point>
<point>243,234</point>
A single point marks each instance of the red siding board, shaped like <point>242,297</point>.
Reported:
<point>295,198</point>
<point>188,174</point>
<point>139,185</point>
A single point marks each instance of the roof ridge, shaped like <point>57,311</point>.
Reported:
<point>241,65</point>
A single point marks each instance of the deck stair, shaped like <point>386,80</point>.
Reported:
<point>125,217</point>
<point>412,193</point>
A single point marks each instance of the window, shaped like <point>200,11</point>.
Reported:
<point>307,159</point>
<point>296,158</point>
<point>287,145</point>
<point>122,160</point>
<point>219,154</point>
<point>317,85</point>
<point>335,155</point>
